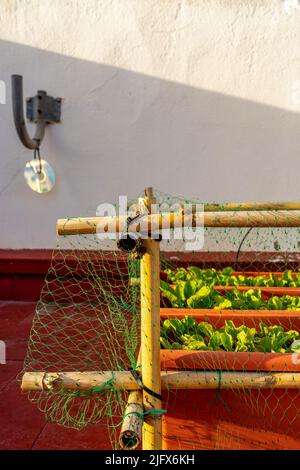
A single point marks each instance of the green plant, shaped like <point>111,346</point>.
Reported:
<point>225,277</point>
<point>195,294</point>
<point>190,335</point>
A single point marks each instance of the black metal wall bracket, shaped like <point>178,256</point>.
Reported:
<point>41,109</point>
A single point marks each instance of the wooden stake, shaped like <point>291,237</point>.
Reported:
<point>150,337</point>
<point>170,380</point>
<point>284,218</point>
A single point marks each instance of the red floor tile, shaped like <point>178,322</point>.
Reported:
<point>56,437</point>
<point>15,319</point>
<point>21,422</point>
<point>15,324</point>
<point>15,349</point>
<point>16,310</point>
<point>9,372</point>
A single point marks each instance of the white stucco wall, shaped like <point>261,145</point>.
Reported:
<point>199,98</point>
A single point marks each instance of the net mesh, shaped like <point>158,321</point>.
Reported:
<point>230,305</point>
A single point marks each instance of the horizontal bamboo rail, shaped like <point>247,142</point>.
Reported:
<point>246,206</point>
<point>154,222</point>
<point>86,381</point>
<point>252,206</point>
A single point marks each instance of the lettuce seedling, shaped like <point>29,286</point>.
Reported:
<point>190,335</point>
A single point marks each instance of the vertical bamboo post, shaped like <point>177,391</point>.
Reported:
<point>150,337</point>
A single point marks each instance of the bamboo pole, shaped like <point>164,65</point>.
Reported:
<point>251,219</point>
<point>243,206</point>
<point>74,381</point>
<point>131,431</point>
<point>150,336</point>
<point>170,380</point>
<point>251,206</point>
<point>233,219</point>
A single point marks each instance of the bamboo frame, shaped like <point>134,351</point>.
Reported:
<point>150,336</point>
<point>214,215</point>
<point>170,380</point>
<point>154,222</point>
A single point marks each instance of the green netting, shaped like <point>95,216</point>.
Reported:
<point>228,306</point>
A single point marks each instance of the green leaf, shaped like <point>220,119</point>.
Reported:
<point>197,345</point>
<point>179,291</point>
<point>165,343</point>
<point>195,300</point>
<point>180,275</point>
<point>227,271</point>
<point>223,304</point>
<point>288,276</point>
<point>186,338</point>
<point>196,337</point>
<point>206,329</point>
<point>215,341</point>
<point>176,346</point>
<point>190,288</point>
<point>295,346</point>
<point>168,292</point>
<point>175,326</point>
<point>264,344</point>
<point>241,347</point>
<point>282,339</point>
<point>275,303</point>
<point>189,323</point>
<point>196,272</point>
<point>245,339</point>
<point>227,341</point>
<point>264,328</point>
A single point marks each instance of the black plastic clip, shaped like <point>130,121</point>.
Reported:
<point>135,374</point>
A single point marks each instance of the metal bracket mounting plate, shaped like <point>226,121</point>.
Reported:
<point>43,107</point>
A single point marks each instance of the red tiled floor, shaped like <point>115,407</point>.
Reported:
<point>15,349</point>
<point>15,319</point>
<point>22,425</point>
<point>9,372</point>
<point>91,438</point>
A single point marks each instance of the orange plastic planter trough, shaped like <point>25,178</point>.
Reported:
<point>232,419</point>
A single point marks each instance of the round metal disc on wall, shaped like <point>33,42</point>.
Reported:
<point>39,176</point>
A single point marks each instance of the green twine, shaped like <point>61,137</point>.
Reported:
<point>106,386</point>
<point>100,389</point>
<point>218,394</point>
<point>123,305</point>
<point>141,415</point>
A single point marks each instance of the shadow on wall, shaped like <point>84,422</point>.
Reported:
<point>122,131</point>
